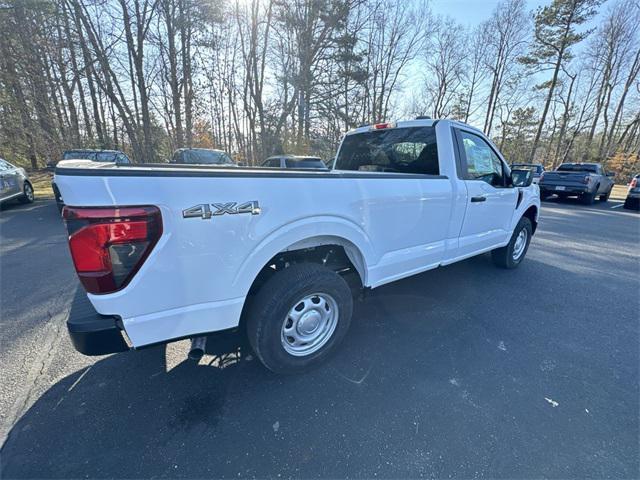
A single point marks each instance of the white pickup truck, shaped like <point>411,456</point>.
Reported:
<point>169,252</point>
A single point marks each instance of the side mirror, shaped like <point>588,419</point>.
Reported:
<point>611,174</point>
<point>521,177</point>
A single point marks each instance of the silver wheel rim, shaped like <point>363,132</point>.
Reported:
<point>28,191</point>
<point>521,242</point>
<point>309,324</point>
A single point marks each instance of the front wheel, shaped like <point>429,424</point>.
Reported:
<point>27,193</point>
<point>511,255</point>
<point>299,317</point>
<point>605,197</point>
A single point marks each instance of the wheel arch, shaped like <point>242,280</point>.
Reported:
<point>532,214</point>
<point>307,235</point>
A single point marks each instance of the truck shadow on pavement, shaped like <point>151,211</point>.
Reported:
<point>423,385</point>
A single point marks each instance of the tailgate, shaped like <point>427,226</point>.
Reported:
<point>569,179</point>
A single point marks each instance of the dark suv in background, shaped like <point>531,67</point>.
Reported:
<point>632,202</point>
<point>115,156</point>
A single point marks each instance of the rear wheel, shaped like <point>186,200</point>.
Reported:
<point>587,198</point>
<point>632,203</point>
<point>298,317</point>
<point>27,193</point>
<point>511,255</point>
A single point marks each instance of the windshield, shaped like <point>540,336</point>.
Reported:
<point>577,167</point>
<point>396,150</point>
<point>106,156</point>
<point>304,163</point>
<point>206,157</point>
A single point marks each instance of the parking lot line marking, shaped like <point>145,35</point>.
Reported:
<point>617,206</point>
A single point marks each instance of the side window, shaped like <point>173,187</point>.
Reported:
<point>122,159</point>
<point>3,165</point>
<point>482,162</point>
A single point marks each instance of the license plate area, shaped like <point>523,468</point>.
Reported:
<point>560,188</point>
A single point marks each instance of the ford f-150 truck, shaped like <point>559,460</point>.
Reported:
<point>584,180</point>
<point>170,252</point>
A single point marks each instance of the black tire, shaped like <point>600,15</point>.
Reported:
<point>631,204</point>
<point>27,193</point>
<point>504,257</point>
<point>587,198</point>
<point>605,197</point>
<point>270,310</point>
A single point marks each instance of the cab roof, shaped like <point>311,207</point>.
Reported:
<point>417,122</point>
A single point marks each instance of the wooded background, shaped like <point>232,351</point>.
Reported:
<point>260,77</point>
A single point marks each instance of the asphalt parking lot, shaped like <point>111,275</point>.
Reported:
<point>466,371</point>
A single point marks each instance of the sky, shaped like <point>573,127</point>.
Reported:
<point>472,12</point>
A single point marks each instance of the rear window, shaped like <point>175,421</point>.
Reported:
<point>535,168</point>
<point>397,150</point>
<point>576,167</point>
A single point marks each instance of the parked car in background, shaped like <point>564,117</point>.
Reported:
<point>201,156</point>
<point>294,161</point>
<point>14,183</point>
<point>632,201</point>
<point>583,180</point>
<point>111,156</point>
<point>94,155</point>
<point>536,167</point>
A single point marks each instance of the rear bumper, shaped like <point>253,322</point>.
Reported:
<point>571,190</point>
<point>95,334</point>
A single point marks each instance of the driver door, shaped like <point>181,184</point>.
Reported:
<point>9,179</point>
<point>491,200</point>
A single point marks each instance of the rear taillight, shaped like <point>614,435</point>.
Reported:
<point>634,183</point>
<point>108,245</point>
<point>541,177</point>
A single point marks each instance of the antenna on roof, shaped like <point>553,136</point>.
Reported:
<point>423,117</point>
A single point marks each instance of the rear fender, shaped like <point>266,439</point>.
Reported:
<point>305,233</point>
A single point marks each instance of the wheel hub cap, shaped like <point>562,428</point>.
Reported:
<point>309,324</point>
<point>518,246</point>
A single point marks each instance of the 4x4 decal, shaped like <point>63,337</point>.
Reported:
<point>208,210</point>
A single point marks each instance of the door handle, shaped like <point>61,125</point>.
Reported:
<point>479,198</point>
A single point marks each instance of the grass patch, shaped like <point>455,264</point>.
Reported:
<point>619,192</point>
<point>41,182</point>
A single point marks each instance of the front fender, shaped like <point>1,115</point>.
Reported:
<point>530,199</point>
